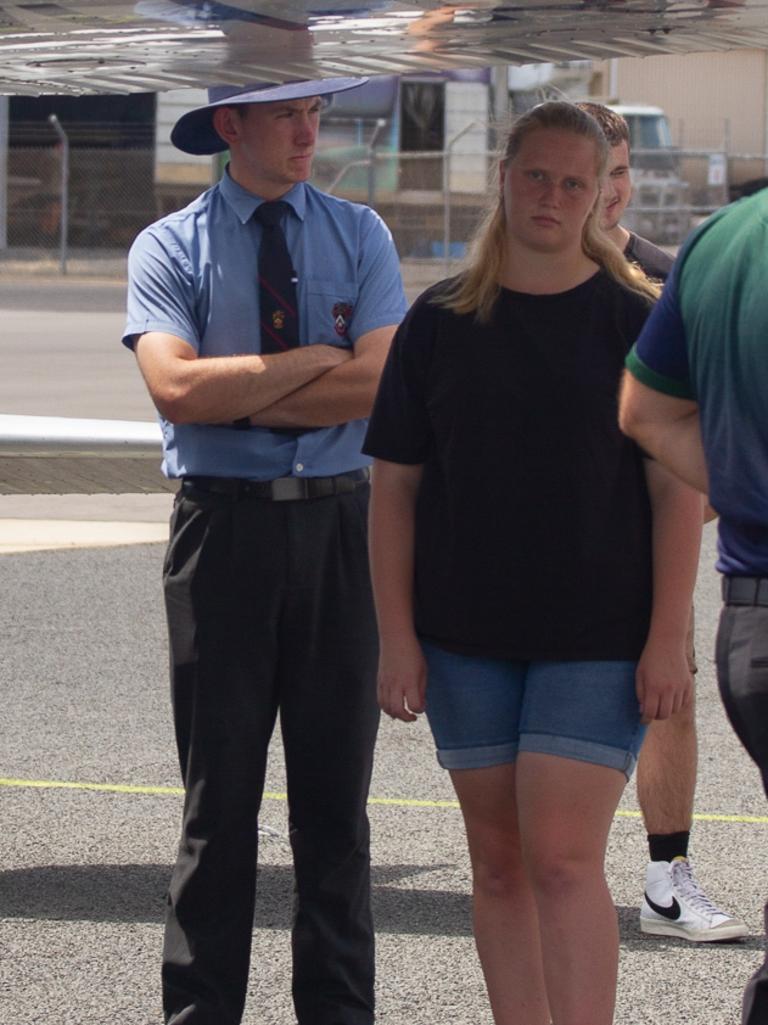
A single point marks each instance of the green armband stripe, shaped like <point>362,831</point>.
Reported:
<point>658,382</point>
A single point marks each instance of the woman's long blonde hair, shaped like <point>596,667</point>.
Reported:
<point>477,286</point>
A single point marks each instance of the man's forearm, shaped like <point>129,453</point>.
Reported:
<point>219,389</point>
<point>668,428</point>
<point>677,446</point>
<point>343,394</point>
<point>284,373</point>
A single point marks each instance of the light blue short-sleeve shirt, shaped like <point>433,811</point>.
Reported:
<point>194,274</point>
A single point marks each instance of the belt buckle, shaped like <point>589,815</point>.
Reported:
<point>345,484</point>
<point>288,489</point>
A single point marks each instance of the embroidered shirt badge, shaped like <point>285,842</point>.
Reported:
<point>341,314</point>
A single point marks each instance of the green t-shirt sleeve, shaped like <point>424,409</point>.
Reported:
<point>659,357</point>
<point>653,379</point>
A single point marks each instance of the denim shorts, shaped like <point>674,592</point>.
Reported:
<point>482,711</point>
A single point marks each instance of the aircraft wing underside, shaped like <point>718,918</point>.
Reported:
<point>97,46</point>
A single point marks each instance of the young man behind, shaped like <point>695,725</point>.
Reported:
<point>674,903</point>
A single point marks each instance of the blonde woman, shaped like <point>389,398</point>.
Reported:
<point>532,571</point>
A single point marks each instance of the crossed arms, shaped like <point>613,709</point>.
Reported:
<point>309,386</point>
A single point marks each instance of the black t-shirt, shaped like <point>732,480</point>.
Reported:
<point>532,520</point>
<point>654,261</point>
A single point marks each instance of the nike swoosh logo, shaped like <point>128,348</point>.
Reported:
<point>672,911</point>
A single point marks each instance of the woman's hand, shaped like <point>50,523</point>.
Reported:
<point>402,679</point>
<point>663,679</point>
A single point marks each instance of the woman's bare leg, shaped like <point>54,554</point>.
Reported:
<point>565,810</point>
<point>504,911</point>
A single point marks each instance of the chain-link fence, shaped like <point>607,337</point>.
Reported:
<point>431,201</point>
<point>81,208</point>
<point>675,189</point>
<point>62,206</point>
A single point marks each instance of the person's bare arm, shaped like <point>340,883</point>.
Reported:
<point>664,681</point>
<point>187,388</point>
<point>402,673</point>
<point>346,393</point>
<point>667,427</point>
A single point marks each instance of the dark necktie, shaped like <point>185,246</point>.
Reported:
<point>277,282</point>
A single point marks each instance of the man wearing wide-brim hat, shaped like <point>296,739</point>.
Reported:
<point>260,316</point>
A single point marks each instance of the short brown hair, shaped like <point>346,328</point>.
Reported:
<point>614,126</point>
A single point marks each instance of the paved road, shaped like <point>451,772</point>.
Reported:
<point>89,803</point>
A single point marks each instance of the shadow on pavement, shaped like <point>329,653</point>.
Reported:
<point>136,893</point>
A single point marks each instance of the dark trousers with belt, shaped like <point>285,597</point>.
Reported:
<point>270,611</point>
<point>742,671</point>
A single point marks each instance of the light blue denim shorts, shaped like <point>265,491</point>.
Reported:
<point>482,711</point>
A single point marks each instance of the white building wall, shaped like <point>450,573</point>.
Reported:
<point>465,103</point>
<point>172,167</point>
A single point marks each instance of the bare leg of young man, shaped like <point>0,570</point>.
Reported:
<point>666,774</point>
<point>674,903</point>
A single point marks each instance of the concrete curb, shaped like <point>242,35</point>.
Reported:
<point>42,535</point>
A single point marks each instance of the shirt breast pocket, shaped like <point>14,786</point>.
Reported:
<point>330,309</point>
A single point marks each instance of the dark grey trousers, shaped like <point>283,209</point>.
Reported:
<point>270,611</point>
<point>742,671</point>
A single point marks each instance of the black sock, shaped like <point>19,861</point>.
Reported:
<point>666,846</point>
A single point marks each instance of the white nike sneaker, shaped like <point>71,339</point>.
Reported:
<point>675,905</point>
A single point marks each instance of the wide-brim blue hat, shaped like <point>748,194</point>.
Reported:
<point>194,131</point>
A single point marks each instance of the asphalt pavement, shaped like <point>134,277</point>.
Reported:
<point>90,801</point>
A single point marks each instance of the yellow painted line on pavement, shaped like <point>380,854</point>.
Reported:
<point>130,788</point>
<point>271,795</point>
<point>107,788</point>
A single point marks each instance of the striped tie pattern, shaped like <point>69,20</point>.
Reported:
<point>277,282</point>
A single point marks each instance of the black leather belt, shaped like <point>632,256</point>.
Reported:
<point>283,489</point>
<point>745,590</point>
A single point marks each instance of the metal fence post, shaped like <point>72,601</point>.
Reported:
<point>447,153</point>
<point>380,124</point>
<point>4,108</point>
<point>64,217</point>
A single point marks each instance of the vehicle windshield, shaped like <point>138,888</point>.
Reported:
<point>648,131</point>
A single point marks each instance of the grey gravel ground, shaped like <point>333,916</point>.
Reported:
<point>84,871</point>
<point>84,701</point>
